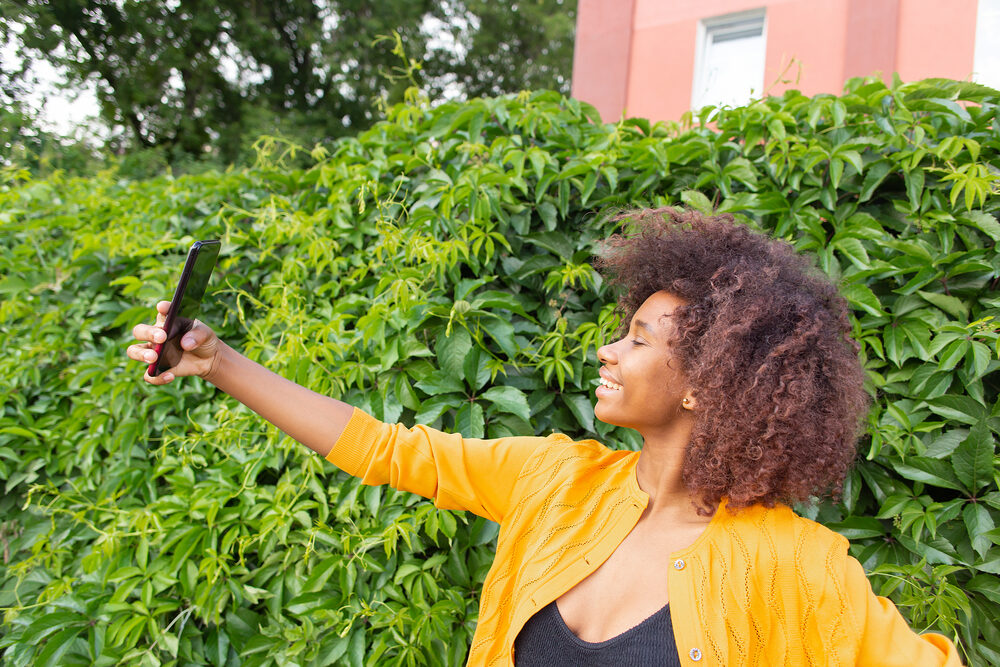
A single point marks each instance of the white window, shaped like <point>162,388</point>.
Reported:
<point>729,59</point>
<point>986,62</point>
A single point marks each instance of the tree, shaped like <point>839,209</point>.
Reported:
<point>524,45</point>
<point>186,75</point>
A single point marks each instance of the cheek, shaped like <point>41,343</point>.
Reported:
<point>673,383</point>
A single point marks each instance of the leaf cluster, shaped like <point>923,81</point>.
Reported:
<point>436,269</point>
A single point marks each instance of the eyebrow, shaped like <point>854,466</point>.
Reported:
<point>639,324</point>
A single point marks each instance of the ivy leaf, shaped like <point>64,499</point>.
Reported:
<point>356,648</point>
<point>893,505</point>
<point>697,200</point>
<point>978,522</point>
<point>959,408</point>
<point>855,251</point>
<point>978,358</point>
<point>987,585</point>
<point>432,409</point>
<point>502,331</point>
<point>555,242</point>
<point>859,527</point>
<point>498,299</point>
<point>56,647</point>
<point>973,459</point>
<point>984,222</point>
<point>928,471</point>
<point>862,297</point>
<point>452,350</point>
<point>952,354</point>
<point>484,531</point>
<point>582,409</point>
<point>991,565</point>
<point>949,304</point>
<point>946,443</point>
<point>475,368</point>
<point>548,213</point>
<point>940,105</point>
<point>874,176</point>
<point>508,399</point>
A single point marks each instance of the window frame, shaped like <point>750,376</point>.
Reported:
<point>707,28</point>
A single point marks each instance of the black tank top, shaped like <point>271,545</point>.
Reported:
<point>546,641</point>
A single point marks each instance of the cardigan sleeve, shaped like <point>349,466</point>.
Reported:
<point>886,638</point>
<point>456,472</point>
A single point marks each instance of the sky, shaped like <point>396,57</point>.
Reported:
<point>59,110</point>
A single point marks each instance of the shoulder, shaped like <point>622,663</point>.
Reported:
<point>558,455</point>
<point>779,522</point>
<point>560,446</point>
<point>779,539</point>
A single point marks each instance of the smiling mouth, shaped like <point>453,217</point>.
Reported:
<point>609,384</point>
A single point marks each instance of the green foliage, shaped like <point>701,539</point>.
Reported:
<point>435,269</point>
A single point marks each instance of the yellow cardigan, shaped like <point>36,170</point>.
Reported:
<point>758,587</point>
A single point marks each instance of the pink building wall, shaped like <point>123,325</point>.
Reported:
<point>637,57</point>
<point>936,39</point>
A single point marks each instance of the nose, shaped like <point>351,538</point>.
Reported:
<point>606,354</point>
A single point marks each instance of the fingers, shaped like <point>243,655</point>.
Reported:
<point>145,353</point>
<point>159,380</point>
<point>141,352</point>
<point>149,332</point>
<point>161,312</point>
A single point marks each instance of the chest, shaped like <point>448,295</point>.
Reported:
<point>628,587</point>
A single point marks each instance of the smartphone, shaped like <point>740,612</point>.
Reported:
<point>186,304</point>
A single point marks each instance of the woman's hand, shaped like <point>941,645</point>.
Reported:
<point>313,419</point>
<point>200,348</point>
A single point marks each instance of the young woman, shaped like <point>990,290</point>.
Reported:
<point>737,369</point>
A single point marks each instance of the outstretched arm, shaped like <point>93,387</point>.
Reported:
<point>313,419</point>
<point>458,473</point>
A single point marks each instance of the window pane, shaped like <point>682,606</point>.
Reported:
<point>730,67</point>
<point>986,63</point>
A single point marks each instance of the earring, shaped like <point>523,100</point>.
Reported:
<point>686,402</point>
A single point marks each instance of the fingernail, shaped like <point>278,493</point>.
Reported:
<point>149,356</point>
<point>188,341</point>
<point>159,336</point>
<point>167,377</point>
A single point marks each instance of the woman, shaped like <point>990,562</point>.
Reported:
<point>737,369</point>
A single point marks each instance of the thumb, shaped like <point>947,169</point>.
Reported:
<point>197,336</point>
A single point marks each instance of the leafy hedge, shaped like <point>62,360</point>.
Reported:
<point>436,269</point>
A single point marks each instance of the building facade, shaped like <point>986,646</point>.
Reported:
<point>659,58</point>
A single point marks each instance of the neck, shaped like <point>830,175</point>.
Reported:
<point>658,472</point>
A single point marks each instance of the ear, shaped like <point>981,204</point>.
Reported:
<point>689,402</point>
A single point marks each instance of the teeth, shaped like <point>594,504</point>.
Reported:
<point>610,385</point>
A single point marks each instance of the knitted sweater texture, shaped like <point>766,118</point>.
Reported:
<point>761,586</point>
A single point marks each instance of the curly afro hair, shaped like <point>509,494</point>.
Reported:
<point>764,341</point>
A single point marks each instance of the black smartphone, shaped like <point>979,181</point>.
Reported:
<point>186,304</point>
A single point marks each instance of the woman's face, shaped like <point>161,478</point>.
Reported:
<point>642,384</point>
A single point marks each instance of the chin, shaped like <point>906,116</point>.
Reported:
<point>607,419</point>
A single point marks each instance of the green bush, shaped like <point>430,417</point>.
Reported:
<point>436,269</point>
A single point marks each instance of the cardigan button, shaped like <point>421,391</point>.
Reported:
<point>679,564</point>
<point>695,654</point>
